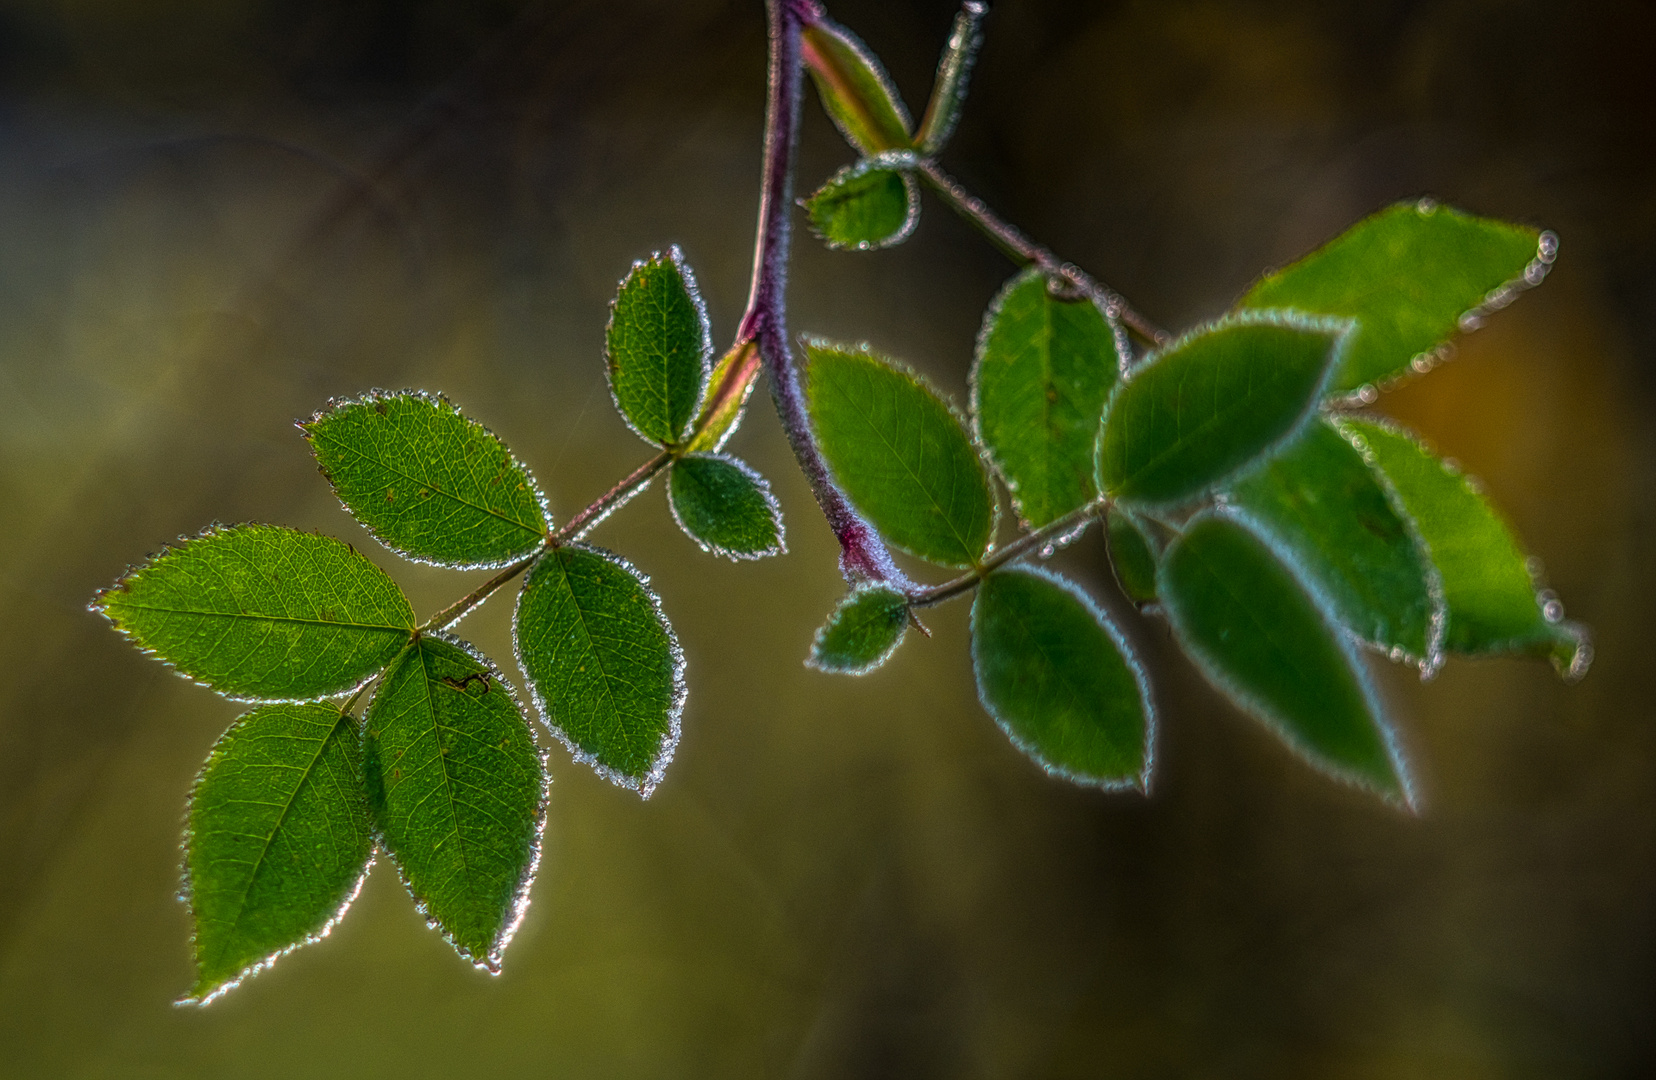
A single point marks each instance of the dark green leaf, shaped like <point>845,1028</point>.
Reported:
<point>1492,603</point>
<point>856,92</point>
<point>278,842</point>
<point>263,613</point>
<point>1260,636</point>
<point>900,453</point>
<point>1211,402</point>
<point>1044,369</point>
<point>426,481</point>
<point>864,206</point>
<point>954,67</point>
<point>1320,501</point>
<point>458,792</point>
<point>725,507</point>
<point>863,631</point>
<point>659,348</point>
<point>1410,275</point>
<point>603,665</point>
<point>1131,556</point>
<point>1060,678</point>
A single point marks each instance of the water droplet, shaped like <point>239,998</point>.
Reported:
<point>1047,551</point>
<point>1534,272</point>
<point>1396,654</point>
<point>1553,611</point>
<point>1451,466</point>
<point>1535,567</point>
<point>1474,485</point>
<point>1367,394</point>
<point>1547,248</point>
<point>1422,363</point>
<point>1470,321</point>
<point>1427,206</point>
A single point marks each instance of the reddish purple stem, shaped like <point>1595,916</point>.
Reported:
<point>863,555</point>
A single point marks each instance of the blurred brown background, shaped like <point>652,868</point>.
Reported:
<point>214,214</point>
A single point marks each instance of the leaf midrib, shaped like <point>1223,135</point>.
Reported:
<point>965,547</point>
<point>322,434</point>
<point>343,624</point>
<point>270,838</point>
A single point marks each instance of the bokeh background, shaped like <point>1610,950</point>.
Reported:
<point>215,214</point>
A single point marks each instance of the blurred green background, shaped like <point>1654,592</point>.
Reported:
<point>215,214</point>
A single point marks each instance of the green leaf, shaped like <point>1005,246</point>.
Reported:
<point>1273,647</point>
<point>1131,556</point>
<point>604,666</point>
<point>954,67</point>
<point>725,507</point>
<point>720,412</point>
<point>1492,603</point>
<point>1044,369</point>
<point>855,90</point>
<point>278,840</point>
<point>263,613</point>
<point>1410,275</point>
<point>900,453</point>
<point>429,483</point>
<point>659,348</point>
<point>458,792</point>
<point>1058,676</point>
<point>1320,502</point>
<point>1212,401</point>
<point>868,205</point>
<point>863,632</point>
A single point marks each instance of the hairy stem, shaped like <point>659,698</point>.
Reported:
<point>863,555</point>
<point>1021,248</point>
<point>1017,549</point>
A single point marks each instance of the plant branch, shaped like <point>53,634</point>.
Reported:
<point>863,555</point>
<point>1018,548</point>
<point>1021,249</point>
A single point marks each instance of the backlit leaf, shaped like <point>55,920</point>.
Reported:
<point>725,506</point>
<point>863,632</point>
<point>1131,556</point>
<point>659,348</point>
<point>457,790</point>
<point>1200,409</point>
<point>263,613</point>
<point>1408,274</point>
<point>278,842</point>
<point>603,664</point>
<point>855,90</point>
<point>1056,673</point>
<point>736,372</point>
<point>865,205</point>
<point>429,483</point>
<point>1275,649</point>
<point>1492,603</point>
<point>1045,367</point>
<point>900,453</point>
<point>1321,503</point>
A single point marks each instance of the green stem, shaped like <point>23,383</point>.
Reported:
<point>1018,548</point>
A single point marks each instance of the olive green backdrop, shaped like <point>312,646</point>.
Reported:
<point>215,214</point>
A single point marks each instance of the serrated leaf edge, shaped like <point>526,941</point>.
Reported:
<point>902,163</point>
<point>811,658</point>
<point>368,398</point>
<point>688,277</point>
<point>775,508</point>
<point>186,894</point>
<point>1129,656</point>
<point>1339,329</point>
<point>491,961</point>
<point>1582,658</point>
<point>96,607</point>
<point>1344,640</point>
<point>990,316</point>
<point>809,341</point>
<point>646,784</point>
